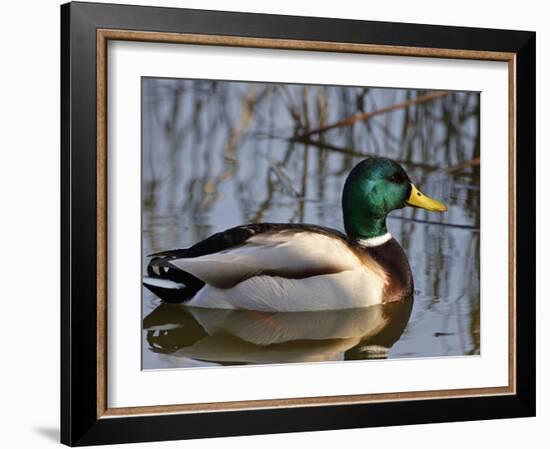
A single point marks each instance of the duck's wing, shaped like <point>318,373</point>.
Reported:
<point>165,279</point>
<point>287,251</point>
<point>219,241</point>
<point>234,237</point>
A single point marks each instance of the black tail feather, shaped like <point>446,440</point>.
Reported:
<point>187,284</point>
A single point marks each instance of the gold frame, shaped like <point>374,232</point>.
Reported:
<point>104,35</point>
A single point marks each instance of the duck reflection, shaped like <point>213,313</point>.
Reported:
<point>234,337</point>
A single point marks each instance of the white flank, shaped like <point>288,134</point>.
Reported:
<point>375,241</point>
<point>349,289</point>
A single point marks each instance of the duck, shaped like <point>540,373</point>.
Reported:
<point>289,267</point>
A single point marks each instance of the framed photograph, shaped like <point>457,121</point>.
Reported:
<point>281,224</point>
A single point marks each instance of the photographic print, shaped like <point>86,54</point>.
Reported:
<point>298,223</point>
<point>278,203</point>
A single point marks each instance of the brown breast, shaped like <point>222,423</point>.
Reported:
<point>393,260</point>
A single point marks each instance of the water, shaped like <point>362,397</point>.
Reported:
<point>220,154</point>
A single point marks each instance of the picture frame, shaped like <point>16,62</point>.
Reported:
<point>86,29</point>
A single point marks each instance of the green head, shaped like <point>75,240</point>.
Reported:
<point>374,188</point>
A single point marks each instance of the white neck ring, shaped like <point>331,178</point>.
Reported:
<point>375,241</point>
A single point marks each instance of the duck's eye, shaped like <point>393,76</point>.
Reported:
<point>396,177</point>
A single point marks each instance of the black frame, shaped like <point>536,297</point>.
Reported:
<point>80,424</point>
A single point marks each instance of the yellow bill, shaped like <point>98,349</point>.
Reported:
<point>418,199</point>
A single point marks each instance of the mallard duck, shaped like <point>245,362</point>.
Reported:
<point>282,267</point>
